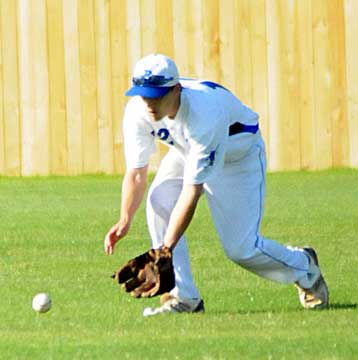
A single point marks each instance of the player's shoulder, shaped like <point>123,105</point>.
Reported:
<point>135,102</point>
<point>202,112</point>
<point>204,97</point>
<point>208,94</point>
<point>135,107</point>
<point>203,85</point>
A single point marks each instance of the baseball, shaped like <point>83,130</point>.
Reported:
<point>41,303</point>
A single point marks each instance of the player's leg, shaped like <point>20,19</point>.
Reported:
<point>236,202</point>
<point>162,197</point>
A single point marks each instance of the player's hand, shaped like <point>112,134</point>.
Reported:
<point>115,233</point>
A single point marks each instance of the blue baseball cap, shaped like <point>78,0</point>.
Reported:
<point>153,76</point>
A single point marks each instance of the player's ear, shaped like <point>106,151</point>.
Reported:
<point>176,88</point>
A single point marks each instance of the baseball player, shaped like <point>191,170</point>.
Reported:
<point>216,149</point>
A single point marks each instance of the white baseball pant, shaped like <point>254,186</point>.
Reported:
<point>236,201</point>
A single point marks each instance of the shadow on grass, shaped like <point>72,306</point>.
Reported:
<point>338,306</point>
<point>332,306</point>
<point>257,311</point>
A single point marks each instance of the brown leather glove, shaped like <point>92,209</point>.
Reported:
<point>149,274</point>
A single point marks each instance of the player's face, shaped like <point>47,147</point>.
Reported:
<point>166,105</point>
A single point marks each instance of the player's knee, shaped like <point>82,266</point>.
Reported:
<point>154,200</point>
<point>235,256</point>
<point>240,251</point>
<point>158,202</point>
<point>163,196</point>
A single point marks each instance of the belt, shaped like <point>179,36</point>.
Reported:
<point>238,128</point>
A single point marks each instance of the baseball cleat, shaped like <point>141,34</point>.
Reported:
<point>316,296</point>
<point>171,304</point>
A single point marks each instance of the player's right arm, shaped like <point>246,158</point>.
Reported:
<point>138,145</point>
<point>133,189</point>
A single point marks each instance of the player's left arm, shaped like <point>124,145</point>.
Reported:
<point>204,161</point>
<point>182,214</point>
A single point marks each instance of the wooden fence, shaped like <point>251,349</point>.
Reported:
<point>65,65</point>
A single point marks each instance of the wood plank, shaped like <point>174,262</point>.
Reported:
<point>57,101</point>
<point>228,64</point>
<point>134,43</point>
<point>73,91</point>
<point>306,104</point>
<point>26,85</point>
<point>87,48</point>
<point>11,111</point>
<point>164,27</point>
<point>148,27</point>
<point>41,87</point>
<point>103,61</point>
<point>289,87</point>
<point>180,38</point>
<point>322,83</point>
<point>274,78</point>
<point>211,40</point>
<point>195,37</point>
<point>120,77</point>
<point>259,69</point>
<point>351,44</point>
<point>338,93</point>
<point>242,51</point>
<point>284,85</point>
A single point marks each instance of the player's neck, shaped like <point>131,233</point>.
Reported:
<point>175,106</point>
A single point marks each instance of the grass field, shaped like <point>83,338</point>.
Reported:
<point>51,240</point>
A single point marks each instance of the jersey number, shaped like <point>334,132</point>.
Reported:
<point>163,135</point>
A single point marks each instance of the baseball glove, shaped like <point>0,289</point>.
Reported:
<point>149,274</point>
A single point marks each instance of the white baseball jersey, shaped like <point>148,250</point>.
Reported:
<point>199,130</point>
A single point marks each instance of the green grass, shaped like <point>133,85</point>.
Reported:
<point>51,240</point>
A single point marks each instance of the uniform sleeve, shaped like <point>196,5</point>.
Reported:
<point>205,158</point>
<point>138,139</point>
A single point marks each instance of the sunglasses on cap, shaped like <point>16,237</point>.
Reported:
<point>152,80</point>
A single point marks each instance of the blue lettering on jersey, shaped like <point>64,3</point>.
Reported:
<point>213,85</point>
<point>211,158</point>
<point>207,161</point>
<point>163,135</point>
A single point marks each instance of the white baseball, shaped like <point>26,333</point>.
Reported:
<point>41,303</point>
